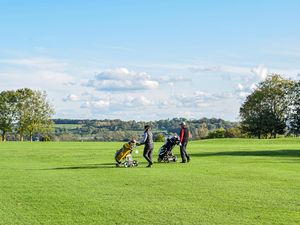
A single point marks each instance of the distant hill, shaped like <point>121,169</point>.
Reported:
<point>118,130</point>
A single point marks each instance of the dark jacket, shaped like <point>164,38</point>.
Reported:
<point>184,135</point>
<point>147,138</point>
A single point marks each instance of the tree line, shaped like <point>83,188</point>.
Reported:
<point>272,108</point>
<point>118,130</point>
<point>25,112</point>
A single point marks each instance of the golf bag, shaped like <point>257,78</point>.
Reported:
<point>123,156</point>
<point>165,152</point>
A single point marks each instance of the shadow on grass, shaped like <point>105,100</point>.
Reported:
<point>85,166</point>
<point>88,166</point>
<point>265,153</point>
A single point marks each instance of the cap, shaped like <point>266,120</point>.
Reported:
<point>183,123</point>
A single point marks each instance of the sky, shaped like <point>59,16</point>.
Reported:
<point>147,59</point>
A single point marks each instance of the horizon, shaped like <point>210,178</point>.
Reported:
<point>147,61</point>
<point>142,121</point>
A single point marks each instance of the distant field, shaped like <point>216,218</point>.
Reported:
<point>232,181</point>
<point>67,126</point>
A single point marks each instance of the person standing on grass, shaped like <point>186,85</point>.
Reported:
<point>184,138</point>
<point>149,145</point>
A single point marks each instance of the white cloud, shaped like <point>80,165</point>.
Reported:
<point>243,91</point>
<point>200,99</point>
<point>36,72</point>
<point>100,104</point>
<point>149,84</point>
<point>240,87</point>
<point>137,101</point>
<point>261,72</point>
<point>173,79</point>
<point>119,74</point>
<point>85,105</point>
<point>243,94</point>
<point>111,93</point>
<point>253,87</point>
<point>142,100</point>
<point>226,69</point>
<point>96,105</point>
<point>196,69</point>
<point>71,98</point>
<point>121,79</point>
<point>117,102</point>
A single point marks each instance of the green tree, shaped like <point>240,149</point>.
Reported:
<point>34,113</point>
<point>265,110</point>
<point>233,132</point>
<point>253,115</point>
<point>159,137</point>
<point>294,116</point>
<point>217,133</point>
<point>203,131</point>
<point>7,112</point>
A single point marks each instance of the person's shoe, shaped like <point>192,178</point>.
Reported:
<point>149,166</point>
<point>183,162</point>
<point>188,160</point>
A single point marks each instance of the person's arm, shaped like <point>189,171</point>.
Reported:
<point>181,136</point>
<point>144,139</point>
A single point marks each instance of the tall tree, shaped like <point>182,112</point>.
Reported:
<point>294,116</point>
<point>265,110</point>
<point>202,131</point>
<point>7,112</point>
<point>253,114</point>
<point>277,91</point>
<point>34,113</point>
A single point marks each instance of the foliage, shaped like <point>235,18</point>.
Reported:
<point>7,112</point>
<point>233,132</point>
<point>26,111</point>
<point>294,116</point>
<point>201,132</point>
<point>217,133</point>
<point>159,137</point>
<point>118,130</point>
<point>34,112</point>
<point>265,110</point>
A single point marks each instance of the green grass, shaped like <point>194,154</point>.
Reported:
<point>227,182</point>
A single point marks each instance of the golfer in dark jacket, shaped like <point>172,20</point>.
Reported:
<point>148,142</point>
<point>184,138</point>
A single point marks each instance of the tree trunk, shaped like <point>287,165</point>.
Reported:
<point>30,137</point>
<point>21,137</point>
<point>3,136</point>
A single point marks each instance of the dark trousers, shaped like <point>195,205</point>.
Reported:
<point>148,150</point>
<point>183,153</point>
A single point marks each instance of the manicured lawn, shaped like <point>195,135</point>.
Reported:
<point>228,181</point>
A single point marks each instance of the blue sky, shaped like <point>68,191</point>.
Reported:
<point>147,60</point>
